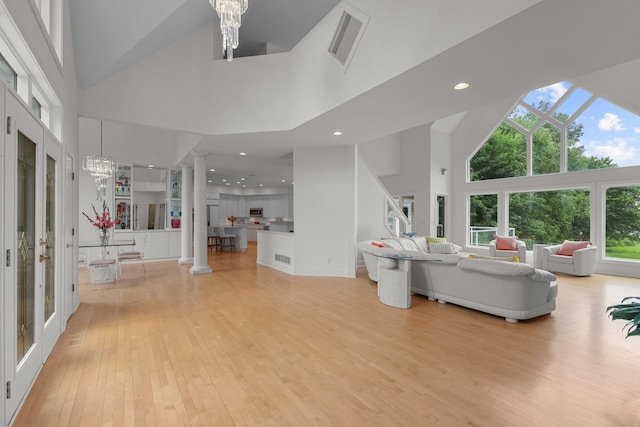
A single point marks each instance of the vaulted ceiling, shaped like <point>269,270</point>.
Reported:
<point>545,43</point>
<point>108,36</point>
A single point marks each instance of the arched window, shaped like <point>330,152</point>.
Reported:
<point>556,129</point>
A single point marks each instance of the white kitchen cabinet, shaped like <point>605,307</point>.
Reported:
<point>242,206</point>
<point>175,244</point>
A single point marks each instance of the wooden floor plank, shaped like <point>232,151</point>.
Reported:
<point>248,345</point>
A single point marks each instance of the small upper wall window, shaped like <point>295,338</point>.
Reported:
<point>50,12</point>
<point>8,73</point>
<point>36,107</point>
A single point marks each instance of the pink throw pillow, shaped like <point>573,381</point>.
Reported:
<point>507,243</point>
<point>569,247</point>
<point>378,245</point>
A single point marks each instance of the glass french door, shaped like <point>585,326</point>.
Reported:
<point>30,297</point>
<point>50,246</point>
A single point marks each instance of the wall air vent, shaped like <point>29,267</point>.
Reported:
<point>345,37</point>
<point>283,258</point>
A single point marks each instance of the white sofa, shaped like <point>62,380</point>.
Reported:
<point>515,291</point>
<point>581,263</point>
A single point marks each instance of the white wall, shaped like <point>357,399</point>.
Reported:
<point>439,159</point>
<point>415,174</point>
<point>324,205</point>
<point>154,96</point>
<point>383,154</point>
<point>370,196</point>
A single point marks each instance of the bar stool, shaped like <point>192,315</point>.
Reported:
<point>212,242</point>
<point>212,238</point>
<point>224,240</point>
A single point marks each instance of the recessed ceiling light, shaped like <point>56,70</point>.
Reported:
<point>241,179</point>
<point>261,185</point>
<point>209,181</point>
<point>461,86</point>
<point>244,186</point>
<point>237,182</point>
<point>228,183</point>
<point>224,180</point>
<point>284,180</point>
<point>212,170</point>
<point>337,133</point>
<point>150,166</point>
<point>243,154</point>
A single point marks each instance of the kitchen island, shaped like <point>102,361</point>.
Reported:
<point>240,231</point>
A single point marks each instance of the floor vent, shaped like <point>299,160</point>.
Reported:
<point>345,37</point>
<point>283,258</point>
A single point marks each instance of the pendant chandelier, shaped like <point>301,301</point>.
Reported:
<point>230,12</point>
<point>101,168</point>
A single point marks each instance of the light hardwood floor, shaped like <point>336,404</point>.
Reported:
<point>248,345</point>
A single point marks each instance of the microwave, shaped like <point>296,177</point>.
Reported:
<point>255,211</point>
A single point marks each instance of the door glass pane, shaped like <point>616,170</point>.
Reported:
<point>49,248</point>
<point>26,199</point>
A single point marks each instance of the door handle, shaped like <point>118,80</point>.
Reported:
<point>69,245</point>
<point>44,258</point>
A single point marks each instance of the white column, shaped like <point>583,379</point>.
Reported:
<point>186,233</point>
<point>200,265</point>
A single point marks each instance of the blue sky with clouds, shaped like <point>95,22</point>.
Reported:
<point>609,131</point>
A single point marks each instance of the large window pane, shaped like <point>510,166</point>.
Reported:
<point>608,138</point>
<point>483,218</point>
<point>546,150</point>
<point>504,155</point>
<point>546,97</point>
<point>550,217</point>
<point>623,222</point>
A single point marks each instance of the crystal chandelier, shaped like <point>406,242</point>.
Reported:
<point>101,168</point>
<point>230,12</point>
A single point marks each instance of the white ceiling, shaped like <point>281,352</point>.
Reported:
<point>108,36</point>
<point>570,39</point>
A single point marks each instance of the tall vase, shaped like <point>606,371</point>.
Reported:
<point>104,237</point>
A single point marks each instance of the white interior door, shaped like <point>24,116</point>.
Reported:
<point>31,272</point>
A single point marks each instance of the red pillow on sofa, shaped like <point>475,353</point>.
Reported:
<point>569,247</point>
<point>506,243</point>
<point>378,245</point>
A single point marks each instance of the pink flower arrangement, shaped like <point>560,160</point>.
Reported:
<point>102,221</point>
<point>232,218</point>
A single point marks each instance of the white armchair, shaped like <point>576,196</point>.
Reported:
<point>581,263</point>
<point>521,251</point>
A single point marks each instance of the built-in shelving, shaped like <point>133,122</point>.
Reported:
<point>122,197</point>
<point>174,198</point>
